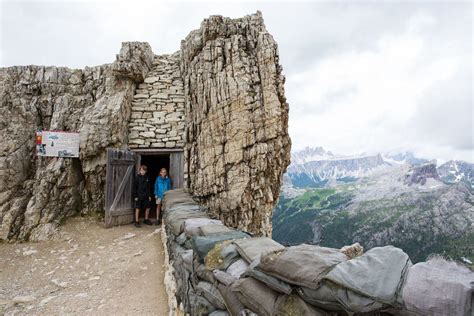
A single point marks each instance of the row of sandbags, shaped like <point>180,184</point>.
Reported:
<point>221,271</point>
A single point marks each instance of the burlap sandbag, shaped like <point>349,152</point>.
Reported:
<point>255,295</point>
<point>302,265</point>
<point>251,248</point>
<point>175,220</point>
<point>198,305</point>
<point>270,281</point>
<point>232,303</point>
<point>202,244</point>
<point>377,275</point>
<point>211,293</point>
<point>238,268</point>
<point>207,230</point>
<point>439,287</point>
<point>191,226</point>
<point>219,313</point>
<point>322,297</point>
<point>292,305</point>
<point>223,277</point>
<point>221,256</point>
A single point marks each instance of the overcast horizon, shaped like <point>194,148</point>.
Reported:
<point>362,77</point>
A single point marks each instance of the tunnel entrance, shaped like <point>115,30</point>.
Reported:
<point>123,165</point>
<point>157,159</point>
<point>154,164</point>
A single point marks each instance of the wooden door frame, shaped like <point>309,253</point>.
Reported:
<point>158,151</point>
<point>121,216</point>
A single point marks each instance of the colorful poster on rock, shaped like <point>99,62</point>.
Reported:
<point>57,144</point>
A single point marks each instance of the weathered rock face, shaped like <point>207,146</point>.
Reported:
<point>237,143</point>
<point>221,98</point>
<point>420,174</point>
<point>36,193</point>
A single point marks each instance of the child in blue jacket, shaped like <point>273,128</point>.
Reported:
<point>162,184</point>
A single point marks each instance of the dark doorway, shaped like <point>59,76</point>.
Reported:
<point>154,163</point>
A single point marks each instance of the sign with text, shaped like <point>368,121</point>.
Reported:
<point>57,144</point>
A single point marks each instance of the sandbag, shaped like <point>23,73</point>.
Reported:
<point>207,230</point>
<point>211,293</point>
<point>175,220</point>
<point>439,287</point>
<point>221,256</point>
<point>232,303</point>
<point>289,305</point>
<point>237,268</point>
<point>219,313</point>
<point>223,277</point>
<point>378,275</point>
<point>251,248</point>
<point>198,305</point>
<point>181,239</point>
<point>188,244</point>
<point>191,227</point>
<point>303,265</point>
<point>202,244</point>
<point>270,281</point>
<point>187,259</point>
<point>255,295</point>
<point>322,297</point>
<point>184,207</point>
<point>202,272</point>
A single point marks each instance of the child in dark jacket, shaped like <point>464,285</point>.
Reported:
<point>162,184</point>
<point>142,195</point>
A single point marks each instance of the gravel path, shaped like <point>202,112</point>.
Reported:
<point>90,270</point>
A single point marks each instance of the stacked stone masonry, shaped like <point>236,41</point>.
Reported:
<point>157,119</point>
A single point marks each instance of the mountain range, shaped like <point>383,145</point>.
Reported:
<point>316,167</point>
<point>399,199</point>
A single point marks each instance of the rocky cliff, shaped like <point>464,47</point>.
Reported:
<point>237,143</point>
<point>36,193</point>
<point>221,97</point>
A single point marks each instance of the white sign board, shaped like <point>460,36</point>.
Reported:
<point>57,144</point>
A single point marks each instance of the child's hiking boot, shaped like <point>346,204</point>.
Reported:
<point>147,221</point>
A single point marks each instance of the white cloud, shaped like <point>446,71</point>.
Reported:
<point>365,100</point>
<point>362,76</point>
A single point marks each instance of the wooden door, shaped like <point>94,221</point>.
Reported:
<point>177,169</point>
<point>118,187</point>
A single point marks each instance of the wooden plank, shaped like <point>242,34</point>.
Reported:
<point>119,178</point>
<point>121,188</point>
<point>176,169</point>
<point>158,151</point>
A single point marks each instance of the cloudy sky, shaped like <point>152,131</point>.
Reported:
<point>366,76</point>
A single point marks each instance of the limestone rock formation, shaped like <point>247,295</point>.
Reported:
<point>420,174</point>
<point>36,193</point>
<point>237,143</point>
<point>220,97</point>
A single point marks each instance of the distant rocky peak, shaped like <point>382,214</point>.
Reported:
<point>406,157</point>
<point>420,174</point>
<point>311,154</point>
<point>455,171</point>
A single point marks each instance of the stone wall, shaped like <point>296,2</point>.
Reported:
<point>237,143</point>
<point>158,107</point>
<point>36,193</point>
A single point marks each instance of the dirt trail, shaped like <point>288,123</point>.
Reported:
<point>90,270</point>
